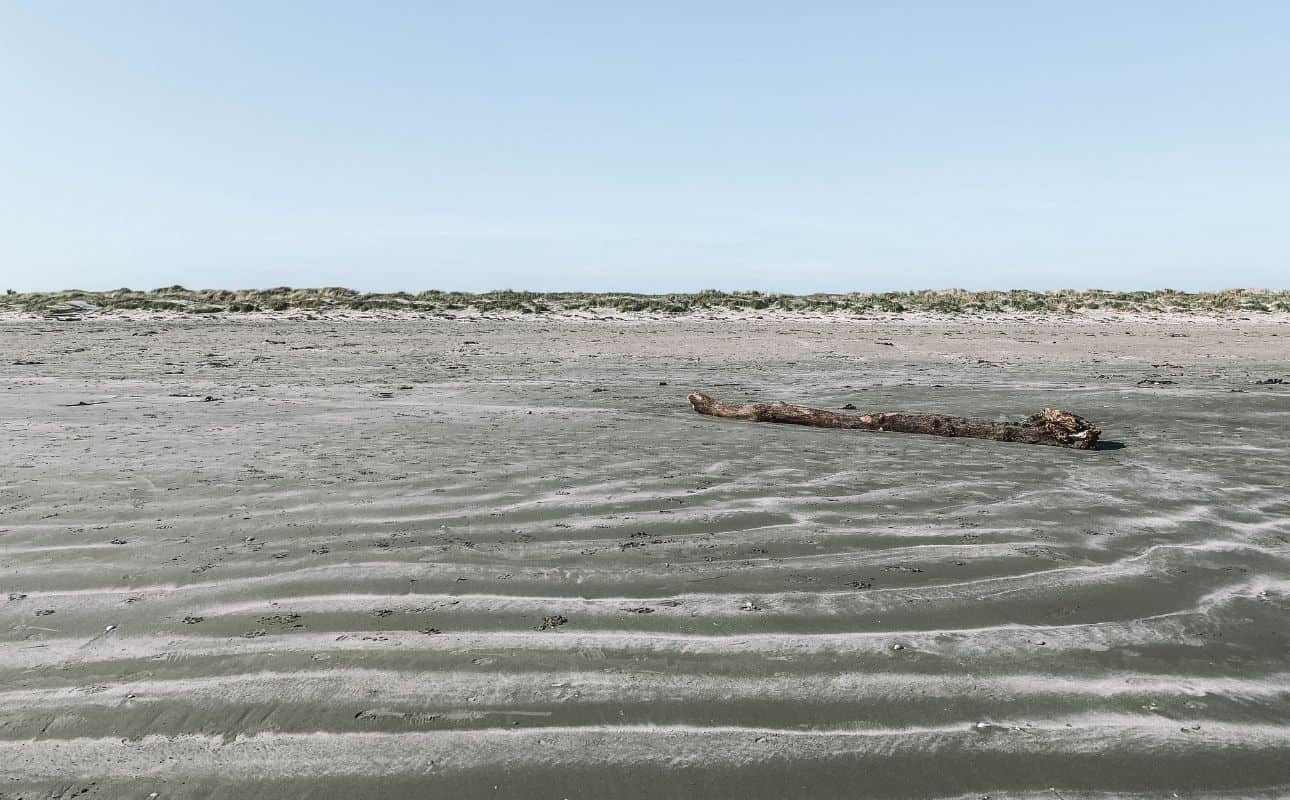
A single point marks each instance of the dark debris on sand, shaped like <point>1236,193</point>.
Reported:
<point>552,622</point>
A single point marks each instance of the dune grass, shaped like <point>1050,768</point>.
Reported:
<point>947,301</point>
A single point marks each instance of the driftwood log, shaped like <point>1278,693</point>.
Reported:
<point>1050,426</point>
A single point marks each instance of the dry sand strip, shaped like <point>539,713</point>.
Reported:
<point>409,557</point>
<point>1065,753</point>
<point>314,755</point>
<point>351,699</point>
<point>404,686</point>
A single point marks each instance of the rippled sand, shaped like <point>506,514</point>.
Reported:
<point>483,558</point>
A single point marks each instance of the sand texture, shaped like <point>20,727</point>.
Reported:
<point>363,557</point>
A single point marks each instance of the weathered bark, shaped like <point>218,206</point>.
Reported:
<point>1050,426</point>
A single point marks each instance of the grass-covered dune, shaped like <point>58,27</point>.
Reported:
<point>209,301</point>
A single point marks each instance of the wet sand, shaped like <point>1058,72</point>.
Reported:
<point>483,557</point>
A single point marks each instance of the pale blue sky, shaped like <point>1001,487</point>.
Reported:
<point>670,146</point>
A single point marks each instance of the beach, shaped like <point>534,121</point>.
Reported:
<point>311,554</point>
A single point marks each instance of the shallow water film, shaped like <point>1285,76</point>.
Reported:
<point>498,558</point>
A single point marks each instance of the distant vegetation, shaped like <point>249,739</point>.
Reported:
<point>950,301</point>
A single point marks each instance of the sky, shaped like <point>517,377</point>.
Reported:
<point>661,146</point>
